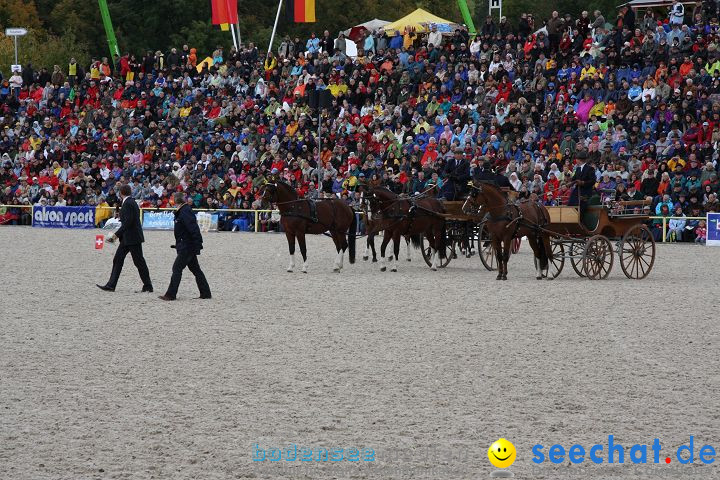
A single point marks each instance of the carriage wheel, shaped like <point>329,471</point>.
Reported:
<point>576,258</point>
<point>515,245</point>
<point>637,252</point>
<point>557,263</point>
<point>427,253</point>
<point>597,257</point>
<point>486,250</point>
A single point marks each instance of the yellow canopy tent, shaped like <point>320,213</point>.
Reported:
<point>208,60</point>
<point>419,19</point>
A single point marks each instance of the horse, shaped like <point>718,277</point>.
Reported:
<point>507,221</point>
<point>372,229</point>
<point>299,216</point>
<point>407,216</point>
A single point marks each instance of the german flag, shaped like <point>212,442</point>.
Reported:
<point>224,12</point>
<point>304,11</point>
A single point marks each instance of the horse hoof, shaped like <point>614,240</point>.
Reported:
<point>504,277</point>
<point>393,269</point>
<point>336,270</point>
<point>304,271</point>
<point>409,259</point>
<point>499,277</point>
<point>383,269</point>
<point>434,269</point>
<point>289,270</point>
<point>365,259</point>
<point>374,260</point>
<point>538,278</point>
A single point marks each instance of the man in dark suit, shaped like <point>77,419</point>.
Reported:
<point>188,243</point>
<point>457,175</point>
<point>584,180</point>
<point>131,239</point>
<point>484,173</point>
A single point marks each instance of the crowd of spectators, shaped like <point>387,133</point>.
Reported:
<point>640,95</point>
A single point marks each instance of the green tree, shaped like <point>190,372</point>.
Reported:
<point>43,50</point>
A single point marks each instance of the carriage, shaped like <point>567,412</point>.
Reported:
<point>589,241</point>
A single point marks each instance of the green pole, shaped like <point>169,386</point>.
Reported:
<point>109,32</point>
<point>465,11</point>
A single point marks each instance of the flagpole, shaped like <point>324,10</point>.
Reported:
<point>277,17</point>
<point>232,30</point>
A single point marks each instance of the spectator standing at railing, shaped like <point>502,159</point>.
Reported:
<point>676,226</point>
<point>701,233</point>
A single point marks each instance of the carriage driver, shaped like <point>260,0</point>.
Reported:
<point>584,180</point>
<point>457,172</point>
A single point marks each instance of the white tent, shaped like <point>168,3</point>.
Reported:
<point>637,4</point>
<point>372,25</point>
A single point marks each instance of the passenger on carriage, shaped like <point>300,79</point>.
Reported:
<point>457,172</point>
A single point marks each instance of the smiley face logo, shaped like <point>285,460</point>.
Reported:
<point>502,453</point>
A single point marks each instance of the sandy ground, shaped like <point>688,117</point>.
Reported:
<point>425,368</point>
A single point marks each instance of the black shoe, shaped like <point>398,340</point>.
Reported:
<point>147,289</point>
<point>105,287</point>
<point>166,298</point>
<point>203,297</point>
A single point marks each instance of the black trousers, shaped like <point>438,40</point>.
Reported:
<point>189,260</point>
<point>119,260</point>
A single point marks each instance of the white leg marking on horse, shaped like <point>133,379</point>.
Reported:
<point>434,260</point>
<point>291,267</point>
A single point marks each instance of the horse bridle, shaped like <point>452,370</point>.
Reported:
<point>477,189</point>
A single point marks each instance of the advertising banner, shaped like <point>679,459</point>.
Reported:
<point>63,217</point>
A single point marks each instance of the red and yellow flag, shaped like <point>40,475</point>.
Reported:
<point>304,11</point>
<point>224,11</point>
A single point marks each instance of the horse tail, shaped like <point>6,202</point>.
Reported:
<point>544,250</point>
<point>351,237</point>
<point>548,247</point>
<point>416,240</point>
<point>441,243</point>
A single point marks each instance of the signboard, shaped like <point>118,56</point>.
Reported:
<point>208,222</point>
<point>63,217</point>
<point>163,220</point>
<point>16,68</point>
<point>495,5</point>
<point>15,32</point>
<point>713,229</point>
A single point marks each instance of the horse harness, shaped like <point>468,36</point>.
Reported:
<point>296,210</point>
<point>518,218</point>
<point>394,211</point>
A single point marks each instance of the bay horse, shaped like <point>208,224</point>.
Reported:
<point>407,216</point>
<point>372,229</point>
<point>508,221</point>
<point>300,216</point>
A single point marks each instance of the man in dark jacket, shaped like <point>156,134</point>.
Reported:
<point>188,243</point>
<point>584,180</point>
<point>131,239</point>
<point>457,175</point>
